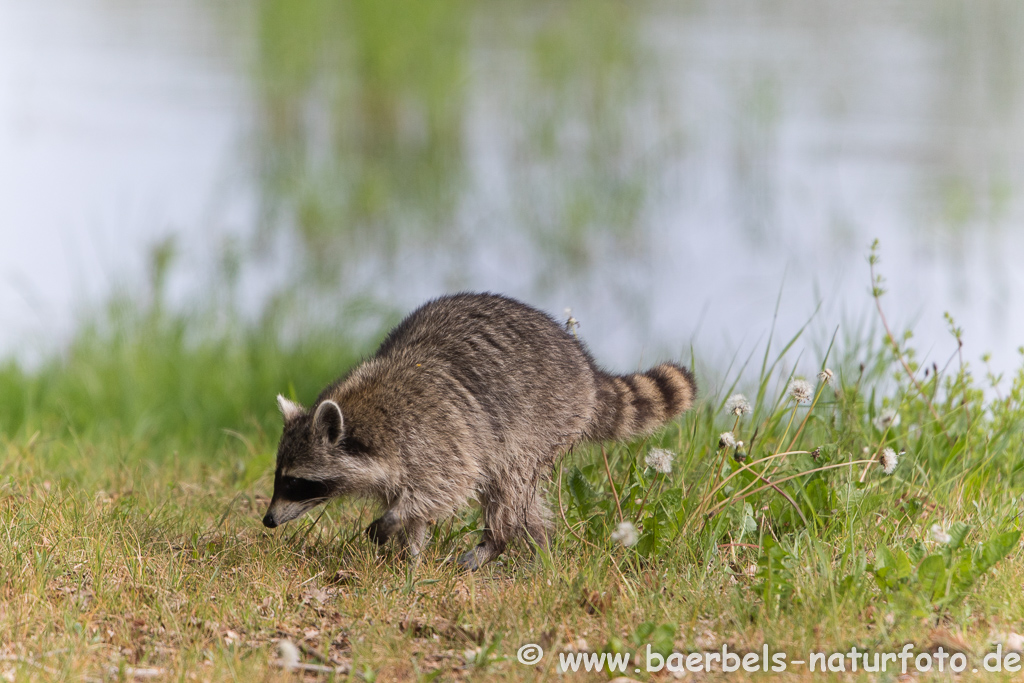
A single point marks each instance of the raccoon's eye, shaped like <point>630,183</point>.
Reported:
<point>294,488</point>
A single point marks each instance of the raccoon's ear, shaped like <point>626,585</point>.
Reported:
<point>290,409</point>
<point>328,421</point>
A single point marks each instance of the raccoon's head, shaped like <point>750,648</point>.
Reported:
<point>312,465</point>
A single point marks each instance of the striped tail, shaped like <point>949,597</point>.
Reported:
<point>632,405</point>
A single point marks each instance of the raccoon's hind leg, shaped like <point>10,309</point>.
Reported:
<point>488,549</point>
<point>534,525</point>
<point>538,522</point>
<point>513,508</point>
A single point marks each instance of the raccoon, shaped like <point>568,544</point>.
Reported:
<point>472,396</point>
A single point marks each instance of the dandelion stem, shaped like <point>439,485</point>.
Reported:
<point>648,493</point>
<point>714,478</point>
<point>615,494</point>
<point>873,459</point>
<point>878,451</point>
<point>791,416</point>
<point>803,424</point>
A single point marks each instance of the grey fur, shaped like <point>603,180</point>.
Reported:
<point>472,396</point>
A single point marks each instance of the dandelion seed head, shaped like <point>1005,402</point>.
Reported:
<point>885,419</point>
<point>726,440</point>
<point>939,535</point>
<point>888,460</point>
<point>626,534</point>
<point>737,404</point>
<point>660,460</point>
<point>801,391</point>
<point>289,655</point>
<point>826,376</point>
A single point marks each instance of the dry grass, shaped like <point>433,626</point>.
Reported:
<point>179,580</point>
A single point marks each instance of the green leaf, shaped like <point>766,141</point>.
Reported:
<point>958,532</point>
<point>883,557</point>
<point>932,576</point>
<point>648,542</point>
<point>581,490</point>
<point>845,585</point>
<point>672,498</point>
<point>886,578</point>
<point>995,549</point>
<point>742,518</point>
<point>963,572</point>
<point>917,552</point>
<point>663,639</point>
<point>818,498</point>
<point>904,568</point>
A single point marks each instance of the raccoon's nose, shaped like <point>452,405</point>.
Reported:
<point>269,521</point>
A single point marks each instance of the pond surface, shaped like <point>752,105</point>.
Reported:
<point>670,171</point>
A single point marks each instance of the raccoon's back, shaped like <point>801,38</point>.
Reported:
<point>516,362</point>
<point>485,326</point>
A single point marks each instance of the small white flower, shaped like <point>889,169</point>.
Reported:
<point>888,460</point>
<point>826,376</point>
<point>660,460</point>
<point>289,655</point>
<point>887,418</point>
<point>726,440</point>
<point>737,404</point>
<point>801,391</point>
<point>939,535</point>
<point>626,534</point>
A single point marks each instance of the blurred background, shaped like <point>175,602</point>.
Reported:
<point>679,174</point>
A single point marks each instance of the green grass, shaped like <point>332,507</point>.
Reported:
<point>137,465</point>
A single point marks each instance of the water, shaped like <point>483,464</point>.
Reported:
<point>670,171</point>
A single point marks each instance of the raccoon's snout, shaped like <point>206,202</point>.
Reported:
<point>283,510</point>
